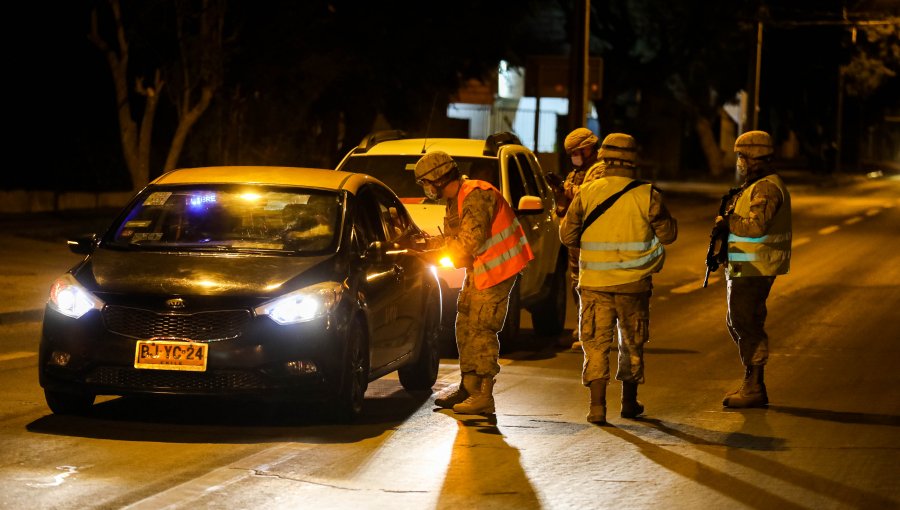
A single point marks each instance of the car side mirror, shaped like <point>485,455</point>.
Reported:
<point>530,204</point>
<point>82,245</point>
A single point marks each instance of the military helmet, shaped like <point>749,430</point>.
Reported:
<point>580,138</point>
<point>618,146</point>
<point>433,166</point>
<point>754,144</point>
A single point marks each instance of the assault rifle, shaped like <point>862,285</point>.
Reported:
<point>717,253</point>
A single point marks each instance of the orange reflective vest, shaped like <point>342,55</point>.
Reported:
<point>506,252</point>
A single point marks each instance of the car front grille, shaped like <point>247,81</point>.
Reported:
<point>201,326</point>
<point>173,380</point>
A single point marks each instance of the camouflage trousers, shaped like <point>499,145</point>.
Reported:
<point>601,317</point>
<point>479,317</point>
<point>746,318</point>
<point>574,255</point>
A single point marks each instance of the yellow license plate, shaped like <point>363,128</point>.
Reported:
<point>158,354</point>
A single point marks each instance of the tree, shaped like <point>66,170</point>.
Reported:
<point>193,79</point>
<point>690,51</point>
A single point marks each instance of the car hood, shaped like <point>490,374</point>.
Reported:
<point>198,274</point>
<point>428,217</point>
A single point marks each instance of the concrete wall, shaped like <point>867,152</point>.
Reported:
<point>27,201</point>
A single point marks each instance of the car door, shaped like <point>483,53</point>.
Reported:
<point>388,287</point>
<point>519,182</point>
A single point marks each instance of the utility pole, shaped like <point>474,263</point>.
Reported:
<point>754,113</point>
<point>578,92</point>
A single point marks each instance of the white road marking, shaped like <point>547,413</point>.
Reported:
<point>829,230</point>
<point>57,479</point>
<point>16,355</point>
<point>873,212</point>
<point>800,241</point>
<point>851,221</point>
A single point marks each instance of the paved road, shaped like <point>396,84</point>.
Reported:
<point>829,439</point>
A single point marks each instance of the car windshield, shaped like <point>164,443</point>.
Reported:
<point>397,171</point>
<point>207,218</point>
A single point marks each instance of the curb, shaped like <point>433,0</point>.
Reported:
<point>20,316</point>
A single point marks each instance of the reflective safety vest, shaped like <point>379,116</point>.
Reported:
<point>770,254</point>
<point>620,246</point>
<point>506,252</point>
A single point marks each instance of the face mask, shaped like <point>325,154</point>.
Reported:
<point>431,192</point>
<point>577,160</point>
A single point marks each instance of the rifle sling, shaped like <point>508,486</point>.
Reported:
<point>606,204</point>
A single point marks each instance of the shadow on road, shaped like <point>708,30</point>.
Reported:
<point>839,416</point>
<point>737,448</point>
<point>173,419</point>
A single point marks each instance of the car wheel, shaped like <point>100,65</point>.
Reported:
<point>421,374</point>
<point>355,379</point>
<point>509,335</point>
<point>549,316</point>
<point>68,403</point>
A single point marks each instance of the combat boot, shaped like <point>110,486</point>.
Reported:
<point>752,393</point>
<point>597,411</point>
<point>745,382</point>
<point>631,408</point>
<point>456,393</point>
<point>481,400</point>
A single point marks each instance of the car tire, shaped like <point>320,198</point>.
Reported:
<point>549,316</point>
<point>69,403</point>
<point>421,374</point>
<point>509,336</point>
<point>348,403</point>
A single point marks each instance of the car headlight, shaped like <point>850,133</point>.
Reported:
<point>302,305</point>
<point>68,297</point>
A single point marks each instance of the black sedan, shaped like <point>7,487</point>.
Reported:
<point>263,281</point>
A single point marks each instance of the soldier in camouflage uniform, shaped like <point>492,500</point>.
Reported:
<point>493,262</point>
<point>581,147</point>
<point>620,251</point>
<point>759,248</point>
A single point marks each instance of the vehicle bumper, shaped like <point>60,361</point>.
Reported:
<point>267,359</point>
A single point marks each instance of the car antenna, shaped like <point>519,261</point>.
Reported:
<point>428,127</point>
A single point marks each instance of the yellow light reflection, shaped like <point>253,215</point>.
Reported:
<point>251,197</point>
<point>446,261</point>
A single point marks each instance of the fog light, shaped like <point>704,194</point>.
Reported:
<point>60,358</point>
<point>301,367</point>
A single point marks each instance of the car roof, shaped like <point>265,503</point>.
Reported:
<point>270,175</point>
<point>419,146</point>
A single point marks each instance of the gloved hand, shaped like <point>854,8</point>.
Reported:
<point>554,180</point>
<point>431,257</point>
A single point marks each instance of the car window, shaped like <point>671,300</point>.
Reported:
<point>531,184</point>
<point>395,171</point>
<point>516,182</point>
<point>230,218</point>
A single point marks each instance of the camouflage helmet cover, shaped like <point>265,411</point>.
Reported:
<point>433,166</point>
<point>580,138</point>
<point>618,146</point>
<point>754,144</point>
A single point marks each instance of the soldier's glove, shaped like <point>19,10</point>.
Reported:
<point>554,180</point>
